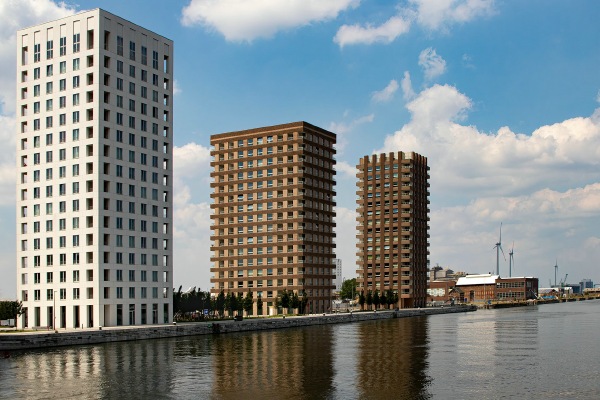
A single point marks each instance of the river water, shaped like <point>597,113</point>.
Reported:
<point>540,352</point>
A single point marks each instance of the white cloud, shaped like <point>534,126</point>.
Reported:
<point>191,219</point>
<point>433,64</point>
<point>384,33</point>
<point>440,14</point>
<point>341,129</point>
<point>545,187</point>
<point>16,15</point>
<point>544,225</point>
<point>246,20</point>
<point>176,88</point>
<point>467,61</point>
<point>407,90</point>
<point>387,93</point>
<point>190,159</point>
<point>433,15</point>
<point>349,171</point>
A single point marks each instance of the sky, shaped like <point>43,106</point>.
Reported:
<point>503,97</point>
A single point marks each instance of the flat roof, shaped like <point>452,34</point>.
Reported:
<point>273,128</point>
<point>482,279</point>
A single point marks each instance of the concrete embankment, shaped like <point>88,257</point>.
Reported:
<point>34,340</point>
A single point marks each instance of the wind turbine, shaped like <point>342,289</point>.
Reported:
<point>498,248</point>
<point>555,271</point>
<point>511,259</point>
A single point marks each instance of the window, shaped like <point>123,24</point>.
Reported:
<point>63,46</point>
<point>119,45</point>
<point>132,51</point>
<point>76,64</point>
<point>76,42</point>
<point>49,49</point>
<point>155,59</point>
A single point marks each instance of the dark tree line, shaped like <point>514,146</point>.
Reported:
<point>384,299</point>
<point>190,306</point>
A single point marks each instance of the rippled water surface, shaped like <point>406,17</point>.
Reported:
<point>551,351</point>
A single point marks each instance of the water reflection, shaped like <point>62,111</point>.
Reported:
<point>549,351</point>
<point>392,359</point>
<point>289,364</point>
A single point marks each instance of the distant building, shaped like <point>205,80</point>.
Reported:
<point>338,275</point>
<point>393,226</point>
<point>586,284</point>
<point>273,214</point>
<point>484,287</point>
<point>438,273</point>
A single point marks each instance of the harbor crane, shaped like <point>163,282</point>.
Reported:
<point>564,281</point>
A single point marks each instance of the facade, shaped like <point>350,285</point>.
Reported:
<point>486,287</point>
<point>94,173</point>
<point>393,215</point>
<point>442,291</point>
<point>273,214</point>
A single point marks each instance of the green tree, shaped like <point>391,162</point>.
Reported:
<point>383,299</point>
<point>259,306</point>
<point>303,302</point>
<point>390,297</point>
<point>285,301</point>
<point>177,301</point>
<point>295,301</point>
<point>11,310</point>
<point>240,303</point>
<point>362,299</point>
<point>369,299</point>
<point>248,302</point>
<point>220,303</point>
<point>376,299</point>
<point>348,290</point>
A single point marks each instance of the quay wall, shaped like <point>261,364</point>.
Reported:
<point>37,340</point>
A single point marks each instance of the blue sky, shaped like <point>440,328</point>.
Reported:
<point>503,98</point>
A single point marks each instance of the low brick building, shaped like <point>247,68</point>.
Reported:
<point>486,287</point>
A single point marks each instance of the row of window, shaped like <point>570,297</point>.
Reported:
<point>37,47</point>
<point>143,293</point>
<point>269,261</point>
<point>62,69</point>
<point>62,86</point>
<point>133,53</point>
<point>143,260</point>
<point>270,139</point>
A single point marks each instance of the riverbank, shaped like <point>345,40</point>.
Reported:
<point>39,339</point>
<point>510,304</point>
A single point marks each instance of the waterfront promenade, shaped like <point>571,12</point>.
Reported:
<point>72,337</point>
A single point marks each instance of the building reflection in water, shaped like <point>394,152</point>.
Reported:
<point>286,364</point>
<point>379,359</point>
<point>115,370</point>
<point>392,359</point>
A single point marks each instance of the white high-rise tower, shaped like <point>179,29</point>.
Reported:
<point>94,165</point>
